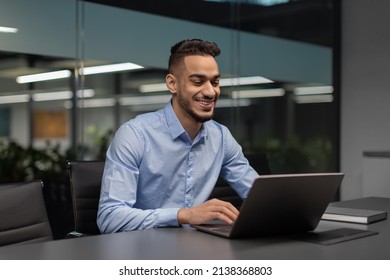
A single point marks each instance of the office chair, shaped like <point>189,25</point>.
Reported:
<point>223,191</point>
<point>23,214</point>
<point>85,183</point>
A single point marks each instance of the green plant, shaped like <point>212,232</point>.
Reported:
<point>18,163</point>
<point>13,161</point>
<point>296,156</point>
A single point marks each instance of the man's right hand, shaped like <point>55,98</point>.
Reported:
<point>210,210</point>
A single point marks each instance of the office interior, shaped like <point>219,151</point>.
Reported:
<point>305,82</point>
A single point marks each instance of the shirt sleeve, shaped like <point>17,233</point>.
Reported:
<point>119,188</point>
<point>236,169</point>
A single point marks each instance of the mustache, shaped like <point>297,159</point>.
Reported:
<point>207,98</point>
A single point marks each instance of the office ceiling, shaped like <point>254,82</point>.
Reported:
<point>302,20</point>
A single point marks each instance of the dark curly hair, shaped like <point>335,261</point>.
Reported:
<point>191,47</point>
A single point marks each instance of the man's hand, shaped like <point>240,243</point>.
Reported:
<point>208,211</point>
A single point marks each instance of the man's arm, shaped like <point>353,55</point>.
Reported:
<point>236,170</point>
<point>116,208</point>
<point>119,188</point>
<point>124,218</point>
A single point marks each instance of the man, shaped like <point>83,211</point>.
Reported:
<point>161,167</point>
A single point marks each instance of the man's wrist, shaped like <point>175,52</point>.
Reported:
<point>182,217</point>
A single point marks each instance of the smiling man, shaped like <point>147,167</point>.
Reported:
<point>161,167</point>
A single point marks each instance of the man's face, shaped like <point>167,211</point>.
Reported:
<point>196,88</point>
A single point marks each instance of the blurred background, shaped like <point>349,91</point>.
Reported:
<point>304,81</point>
<point>278,95</point>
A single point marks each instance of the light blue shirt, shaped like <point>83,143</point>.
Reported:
<point>153,169</point>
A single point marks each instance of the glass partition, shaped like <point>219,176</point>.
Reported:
<point>278,95</point>
<point>287,107</point>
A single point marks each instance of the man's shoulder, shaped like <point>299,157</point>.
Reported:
<point>147,119</point>
<point>217,130</point>
<point>216,126</point>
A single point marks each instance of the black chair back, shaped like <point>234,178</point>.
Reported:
<point>85,184</point>
<point>23,214</point>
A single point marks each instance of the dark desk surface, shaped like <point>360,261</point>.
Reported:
<point>186,243</point>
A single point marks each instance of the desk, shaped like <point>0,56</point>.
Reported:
<point>188,244</point>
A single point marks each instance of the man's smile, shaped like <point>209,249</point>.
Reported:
<point>206,103</point>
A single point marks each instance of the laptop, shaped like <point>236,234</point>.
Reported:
<point>280,204</point>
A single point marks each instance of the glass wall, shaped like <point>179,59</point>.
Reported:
<point>290,111</point>
<point>291,114</point>
<point>279,92</point>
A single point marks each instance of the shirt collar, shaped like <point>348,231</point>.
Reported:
<point>175,126</point>
<point>173,122</point>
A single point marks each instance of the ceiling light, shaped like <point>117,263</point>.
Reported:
<point>85,93</point>
<point>258,93</point>
<point>109,68</point>
<point>61,95</point>
<point>92,103</point>
<point>313,90</point>
<point>61,74</point>
<point>241,81</point>
<point>43,76</point>
<point>324,98</point>
<point>96,103</point>
<point>153,88</point>
<point>256,2</point>
<point>163,99</point>
<point>144,100</point>
<point>10,99</point>
<point>229,103</point>
<point>45,96</point>
<point>5,29</point>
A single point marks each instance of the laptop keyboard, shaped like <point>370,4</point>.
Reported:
<point>221,228</point>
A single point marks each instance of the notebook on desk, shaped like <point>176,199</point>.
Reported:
<point>281,204</point>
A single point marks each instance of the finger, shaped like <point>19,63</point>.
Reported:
<point>233,209</point>
<point>216,201</point>
<point>225,218</point>
<point>225,213</point>
<point>228,205</point>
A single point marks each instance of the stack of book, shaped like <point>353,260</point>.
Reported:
<point>352,215</point>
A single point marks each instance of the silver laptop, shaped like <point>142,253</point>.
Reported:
<point>281,204</point>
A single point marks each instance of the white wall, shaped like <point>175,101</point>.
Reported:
<point>365,70</point>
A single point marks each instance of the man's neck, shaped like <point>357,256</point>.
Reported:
<point>191,126</point>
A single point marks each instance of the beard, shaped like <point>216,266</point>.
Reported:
<point>186,106</point>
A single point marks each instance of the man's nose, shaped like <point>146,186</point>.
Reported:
<point>210,90</point>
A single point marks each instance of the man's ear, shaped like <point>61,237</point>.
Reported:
<point>171,82</point>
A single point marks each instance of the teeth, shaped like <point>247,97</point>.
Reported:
<point>205,102</point>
